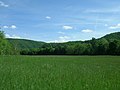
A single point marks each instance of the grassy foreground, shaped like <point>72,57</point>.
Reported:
<point>59,73</point>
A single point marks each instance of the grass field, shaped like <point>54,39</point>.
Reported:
<point>59,73</point>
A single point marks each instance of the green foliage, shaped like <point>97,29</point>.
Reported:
<point>112,36</point>
<point>59,73</point>
<point>103,46</point>
<point>114,47</point>
<point>2,36</point>
<point>5,47</point>
<point>3,44</point>
<point>22,44</point>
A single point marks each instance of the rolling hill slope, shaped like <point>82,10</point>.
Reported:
<point>112,36</point>
<point>25,44</point>
<point>30,44</point>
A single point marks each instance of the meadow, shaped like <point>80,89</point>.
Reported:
<point>59,73</point>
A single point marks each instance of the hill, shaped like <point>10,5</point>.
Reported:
<point>107,45</point>
<point>109,37</point>
<point>112,36</point>
<point>25,44</point>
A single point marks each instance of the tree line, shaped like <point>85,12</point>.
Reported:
<point>92,47</point>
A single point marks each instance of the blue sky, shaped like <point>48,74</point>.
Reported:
<point>59,20</point>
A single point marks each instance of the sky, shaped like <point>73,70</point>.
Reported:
<point>59,20</point>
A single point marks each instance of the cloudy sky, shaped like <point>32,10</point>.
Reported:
<point>59,20</point>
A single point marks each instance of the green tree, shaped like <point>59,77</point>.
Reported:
<point>2,43</point>
<point>88,49</point>
<point>94,44</point>
<point>79,49</point>
<point>5,47</point>
<point>103,46</point>
<point>70,50</point>
<point>113,46</point>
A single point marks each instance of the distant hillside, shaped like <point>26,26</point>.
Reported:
<point>112,36</point>
<point>107,45</point>
<point>25,44</point>
<point>30,44</point>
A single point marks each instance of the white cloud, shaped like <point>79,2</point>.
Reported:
<point>61,32</point>
<point>61,39</point>
<point>13,27</point>
<point>48,17</point>
<point>105,10</point>
<point>12,36</point>
<point>15,36</point>
<point>2,4</point>
<point>67,27</point>
<point>106,25</point>
<point>5,27</point>
<point>115,26</point>
<point>64,37</point>
<point>87,31</point>
<point>7,35</point>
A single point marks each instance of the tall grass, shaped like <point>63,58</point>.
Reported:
<point>59,73</point>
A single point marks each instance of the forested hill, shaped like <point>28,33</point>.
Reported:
<point>107,45</point>
<point>112,36</point>
<point>24,44</point>
<point>109,37</point>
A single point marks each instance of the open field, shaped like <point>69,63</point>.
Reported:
<point>59,73</point>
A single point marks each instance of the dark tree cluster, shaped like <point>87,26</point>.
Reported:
<point>92,47</point>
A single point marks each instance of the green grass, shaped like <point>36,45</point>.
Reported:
<point>59,73</point>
